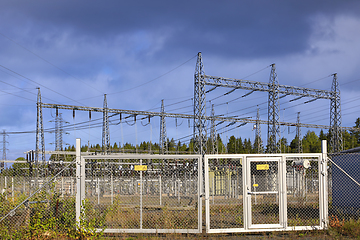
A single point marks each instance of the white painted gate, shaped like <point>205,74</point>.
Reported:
<point>267,192</point>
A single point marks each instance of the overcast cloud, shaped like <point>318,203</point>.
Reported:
<point>139,52</point>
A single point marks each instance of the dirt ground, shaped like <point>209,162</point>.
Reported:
<point>269,235</point>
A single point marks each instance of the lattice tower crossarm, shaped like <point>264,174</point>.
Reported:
<point>266,87</point>
<point>200,133</point>
<point>184,116</point>
<point>336,141</point>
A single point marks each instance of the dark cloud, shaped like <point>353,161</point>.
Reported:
<point>231,28</point>
<point>83,49</point>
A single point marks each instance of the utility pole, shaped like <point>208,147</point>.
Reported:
<point>200,134</point>
<point>3,165</point>
<point>273,112</point>
<point>163,137</point>
<point>298,135</point>
<point>213,134</point>
<point>59,132</point>
<point>40,143</point>
<point>258,143</point>
<point>335,117</point>
<point>105,130</point>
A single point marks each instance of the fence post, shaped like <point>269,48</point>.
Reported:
<point>207,195</point>
<point>160,188</point>
<point>323,175</point>
<point>80,180</point>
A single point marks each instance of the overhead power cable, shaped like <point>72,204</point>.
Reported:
<point>47,61</point>
<point>156,77</point>
<point>39,84</point>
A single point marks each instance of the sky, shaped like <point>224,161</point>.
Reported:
<point>140,52</point>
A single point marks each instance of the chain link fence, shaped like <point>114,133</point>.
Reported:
<point>143,193</point>
<point>162,193</point>
<point>37,199</point>
<point>344,186</point>
<point>122,193</point>
<point>225,193</point>
<point>302,186</point>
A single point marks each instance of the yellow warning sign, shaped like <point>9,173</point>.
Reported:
<point>140,168</point>
<point>255,185</point>
<point>262,167</point>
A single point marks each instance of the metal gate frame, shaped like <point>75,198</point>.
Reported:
<point>80,196</point>
<point>323,192</point>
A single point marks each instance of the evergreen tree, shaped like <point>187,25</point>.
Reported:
<point>311,143</point>
<point>247,146</point>
<point>284,146</point>
<point>349,140</point>
<point>356,134</point>
<point>240,147</point>
<point>231,145</point>
<point>220,145</point>
<point>258,145</point>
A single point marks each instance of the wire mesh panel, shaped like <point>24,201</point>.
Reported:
<point>37,198</point>
<point>344,183</point>
<point>225,192</point>
<point>302,181</point>
<point>143,193</point>
<point>264,189</point>
<point>264,192</point>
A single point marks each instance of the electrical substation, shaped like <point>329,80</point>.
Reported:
<point>167,191</point>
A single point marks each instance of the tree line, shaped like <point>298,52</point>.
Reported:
<point>311,143</point>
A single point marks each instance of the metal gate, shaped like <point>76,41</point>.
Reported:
<point>267,192</point>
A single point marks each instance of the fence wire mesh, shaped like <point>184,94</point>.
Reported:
<point>302,182</point>
<point>262,191</point>
<point>133,193</point>
<point>226,193</point>
<point>344,186</point>
<point>37,198</point>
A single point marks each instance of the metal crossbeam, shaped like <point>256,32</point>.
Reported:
<point>186,116</point>
<point>265,87</point>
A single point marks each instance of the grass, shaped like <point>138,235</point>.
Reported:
<point>55,218</point>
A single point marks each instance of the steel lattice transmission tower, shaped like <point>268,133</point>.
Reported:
<point>3,165</point>
<point>59,131</point>
<point>213,134</point>
<point>200,134</point>
<point>273,112</point>
<point>258,143</point>
<point>163,135</point>
<point>299,146</point>
<point>40,142</point>
<point>336,141</point>
<point>105,129</point>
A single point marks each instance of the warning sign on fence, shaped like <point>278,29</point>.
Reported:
<point>140,167</point>
<point>262,167</point>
